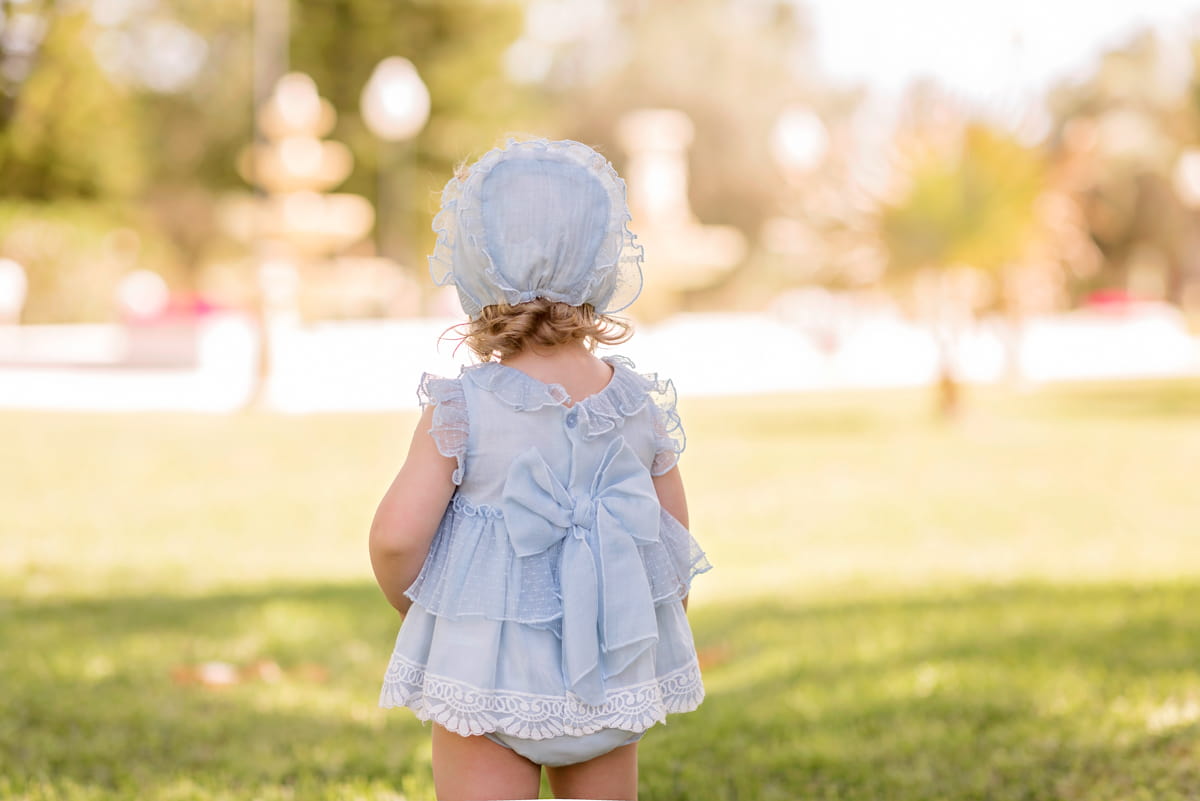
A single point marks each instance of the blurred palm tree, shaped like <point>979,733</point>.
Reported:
<point>963,213</point>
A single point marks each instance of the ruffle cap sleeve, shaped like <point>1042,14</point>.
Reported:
<point>626,395</point>
<point>669,438</point>
<point>450,422</point>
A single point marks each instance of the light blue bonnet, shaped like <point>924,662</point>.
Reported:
<point>537,219</point>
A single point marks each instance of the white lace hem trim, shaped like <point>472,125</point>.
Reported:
<point>467,710</point>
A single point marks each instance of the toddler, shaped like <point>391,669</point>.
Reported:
<point>535,538</point>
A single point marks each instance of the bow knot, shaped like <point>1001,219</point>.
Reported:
<point>608,616</point>
<point>583,515</point>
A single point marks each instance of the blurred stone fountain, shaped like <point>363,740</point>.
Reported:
<point>294,221</point>
<point>297,217</point>
<point>682,254</point>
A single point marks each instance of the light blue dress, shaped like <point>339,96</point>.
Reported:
<point>549,608</point>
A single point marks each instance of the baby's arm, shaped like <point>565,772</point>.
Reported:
<point>409,514</point>
<point>669,487</point>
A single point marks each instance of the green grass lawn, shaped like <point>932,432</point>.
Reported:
<point>1004,608</point>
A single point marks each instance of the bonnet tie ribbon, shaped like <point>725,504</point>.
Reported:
<point>608,612</point>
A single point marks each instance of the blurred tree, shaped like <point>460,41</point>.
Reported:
<point>70,132</point>
<point>71,165</point>
<point>188,65</point>
<point>1117,138</point>
<point>731,65</point>
<point>458,50</point>
<point>138,111</point>
<point>21,32</point>
<point>963,211</point>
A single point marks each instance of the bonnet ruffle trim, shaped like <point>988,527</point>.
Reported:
<point>460,216</point>
<point>451,425</point>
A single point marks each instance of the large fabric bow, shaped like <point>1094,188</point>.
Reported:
<point>608,612</point>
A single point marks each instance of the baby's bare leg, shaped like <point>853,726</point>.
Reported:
<point>611,776</point>
<point>473,768</point>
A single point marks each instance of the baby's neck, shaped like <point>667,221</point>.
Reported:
<point>571,365</point>
<point>567,353</point>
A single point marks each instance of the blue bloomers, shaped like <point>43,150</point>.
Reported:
<point>566,750</point>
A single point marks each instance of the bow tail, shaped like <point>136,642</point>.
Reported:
<point>580,623</point>
<point>629,622</point>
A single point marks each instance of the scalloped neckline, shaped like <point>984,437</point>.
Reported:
<point>555,390</point>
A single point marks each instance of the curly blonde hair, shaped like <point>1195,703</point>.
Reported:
<point>501,330</point>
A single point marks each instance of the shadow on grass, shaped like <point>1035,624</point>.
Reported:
<point>102,698</point>
<point>1023,692</point>
<point>1028,691</point>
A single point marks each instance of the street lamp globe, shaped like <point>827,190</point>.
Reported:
<point>395,101</point>
<point>799,140</point>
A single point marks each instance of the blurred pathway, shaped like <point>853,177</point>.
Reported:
<point>375,365</point>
